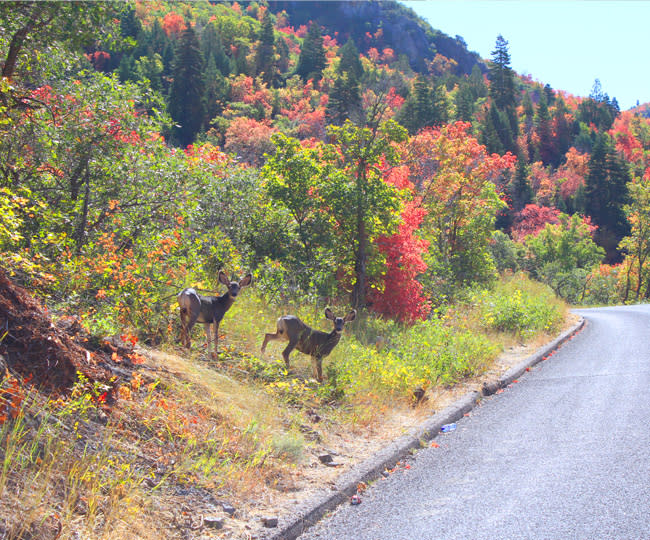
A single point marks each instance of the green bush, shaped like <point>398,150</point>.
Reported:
<point>519,306</point>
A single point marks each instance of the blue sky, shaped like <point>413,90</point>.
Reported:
<point>565,43</point>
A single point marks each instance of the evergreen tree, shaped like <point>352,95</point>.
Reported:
<point>549,94</point>
<point>544,132</point>
<point>344,99</point>
<point>489,135</point>
<point>502,93</point>
<point>464,102</point>
<point>529,112</point>
<point>186,105</point>
<point>425,106</point>
<point>521,192</point>
<point>312,60</point>
<point>477,83</point>
<point>501,76</point>
<point>126,69</point>
<point>562,129</point>
<point>130,26</point>
<point>212,45</point>
<point>350,62</point>
<point>216,89</point>
<point>264,56</point>
<point>605,195</point>
<point>597,109</point>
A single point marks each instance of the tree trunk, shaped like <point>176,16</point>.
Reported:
<point>360,266</point>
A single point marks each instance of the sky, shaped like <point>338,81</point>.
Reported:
<point>565,43</point>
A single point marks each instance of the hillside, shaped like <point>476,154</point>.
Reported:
<point>380,25</point>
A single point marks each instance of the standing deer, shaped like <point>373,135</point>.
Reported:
<point>208,310</point>
<point>315,343</point>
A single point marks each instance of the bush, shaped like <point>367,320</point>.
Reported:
<point>519,306</point>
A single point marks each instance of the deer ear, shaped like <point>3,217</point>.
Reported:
<point>329,315</point>
<point>223,278</point>
<point>246,281</point>
<point>351,316</point>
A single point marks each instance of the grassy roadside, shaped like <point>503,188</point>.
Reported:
<point>187,434</point>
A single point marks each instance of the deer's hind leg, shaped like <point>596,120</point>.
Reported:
<point>280,334</point>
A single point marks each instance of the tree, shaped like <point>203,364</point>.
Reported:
<point>212,46</point>
<point>606,194</point>
<point>637,244</point>
<point>543,130</point>
<point>521,192</point>
<point>425,106</point>
<point>30,26</point>
<point>597,109</point>
<point>264,55</point>
<point>456,179</point>
<point>344,100</point>
<point>350,62</point>
<point>360,204</point>
<point>563,255</point>
<point>501,76</point>
<point>312,60</point>
<point>186,105</point>
<point>293,175</point>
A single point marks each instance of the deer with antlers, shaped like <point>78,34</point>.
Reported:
<point>315,343</point>
<point>207,310</point>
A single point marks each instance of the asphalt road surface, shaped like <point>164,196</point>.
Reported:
<point>564,453</point>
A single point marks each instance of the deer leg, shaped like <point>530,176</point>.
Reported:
<point>208,337</point>
<point>317,368</point>
<point>267,338</point>
<point>184,332</point>
<point>216,339</point>
<point>287,351</point>
<point>188,320</point>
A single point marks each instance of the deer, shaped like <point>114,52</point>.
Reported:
<point>207,310</point>
<point>315,343</point>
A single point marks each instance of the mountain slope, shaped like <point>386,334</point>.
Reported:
<point>382,24</point>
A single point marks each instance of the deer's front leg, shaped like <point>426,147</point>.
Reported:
<point>216,340</point>
<point>317,368</point>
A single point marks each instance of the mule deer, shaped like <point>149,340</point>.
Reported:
<point>315,343</point>
<point>208,310</point>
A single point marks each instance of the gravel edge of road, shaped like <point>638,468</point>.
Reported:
<point>292,526</point>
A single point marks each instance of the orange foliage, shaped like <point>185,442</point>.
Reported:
<point>249,139</point>
<point>173,23</point>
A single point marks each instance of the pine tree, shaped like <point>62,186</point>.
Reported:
<point>186,105</point>
<point>350,62</point>
<point>501,76</point>
<point>312,60</point>
<point>605,195</point>
<point>562,129</point>
<point>215,90</point>
<point>544,132</point>
<point>212,45</point>
<point>264,56</point>
<point>425,106</point>
<point>464,102</point>
<point>477,83</point>
<point>521,192</point>
<point>502,93</point>
<point>344,99</point>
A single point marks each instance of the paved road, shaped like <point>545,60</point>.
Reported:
<point>562,454</point>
